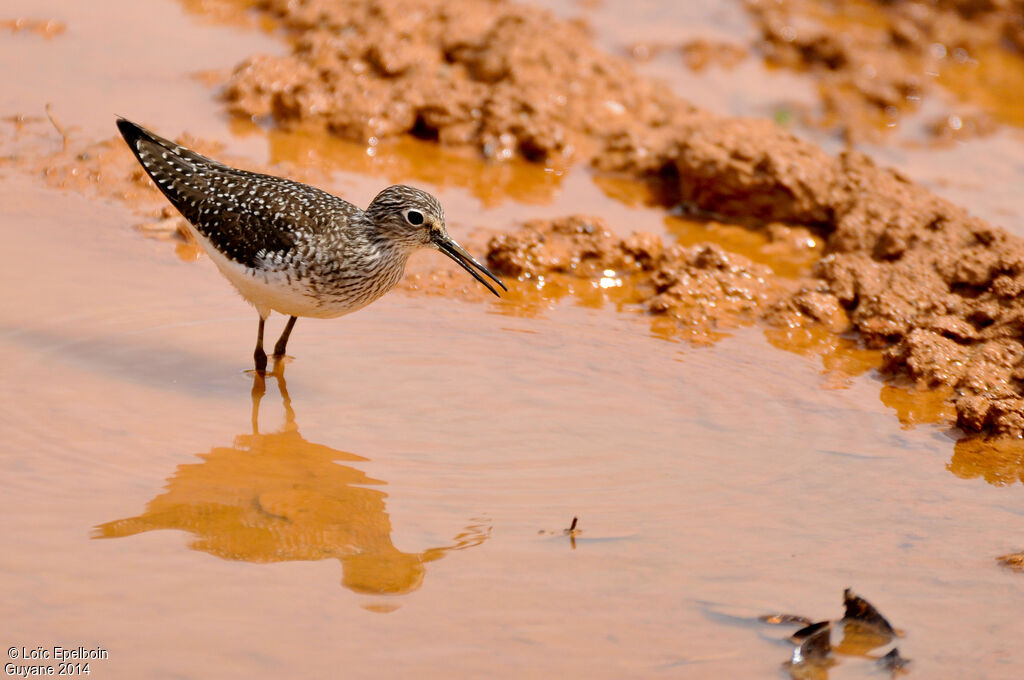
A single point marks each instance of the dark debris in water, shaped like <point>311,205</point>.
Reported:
<point>576,534</point>
<point>1013,561</point>
<point>863,612</point>
<point>863,629</point>
<point>776,619</point>
<point>893,661</point>
<point>813,656</point>
<point>572,532</point>
<point>810,631</point>
<point>815,643</point>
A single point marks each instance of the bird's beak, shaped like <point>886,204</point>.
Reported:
<point>446,245</point>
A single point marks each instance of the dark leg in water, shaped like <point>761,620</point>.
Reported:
<point>282,342</point>
<point>259,355</point>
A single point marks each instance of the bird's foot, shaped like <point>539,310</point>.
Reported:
<point>260,358</point>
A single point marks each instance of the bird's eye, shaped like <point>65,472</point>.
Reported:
<point>414,217</point>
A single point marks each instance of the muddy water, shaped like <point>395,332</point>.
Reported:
<point>430,442</point>
<point>394,503</point>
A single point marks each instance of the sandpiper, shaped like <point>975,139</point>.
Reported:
<point>289,247</point>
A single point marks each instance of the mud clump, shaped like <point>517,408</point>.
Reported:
<point>939,289</point>
<point>700,288</point>
<point>744,169</point>
<point>507,78</point>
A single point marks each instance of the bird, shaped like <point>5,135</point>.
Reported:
<point>291,248</point>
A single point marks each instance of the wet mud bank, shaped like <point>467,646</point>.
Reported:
<point>701,288</point>
<point>938,290</point>
<point>912,273</point>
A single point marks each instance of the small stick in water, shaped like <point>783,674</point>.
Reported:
<point>572,532</point>
<point>57,127</point>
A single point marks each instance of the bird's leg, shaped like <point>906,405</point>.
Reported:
<point>282,342</point>
<point>259,355</point>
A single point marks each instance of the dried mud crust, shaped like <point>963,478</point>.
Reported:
<point>507,78</point>
<point>875,60</point>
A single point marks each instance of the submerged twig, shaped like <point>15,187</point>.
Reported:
<point>572,532</point>
<point>57,127</point>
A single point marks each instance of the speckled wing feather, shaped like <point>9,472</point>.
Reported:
<point>249,217</point>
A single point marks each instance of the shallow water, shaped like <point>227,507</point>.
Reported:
<point>401,512</point>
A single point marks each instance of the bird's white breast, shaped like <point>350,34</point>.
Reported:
<point>270,290</point>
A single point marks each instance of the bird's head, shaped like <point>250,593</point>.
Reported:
<point>411,219</point>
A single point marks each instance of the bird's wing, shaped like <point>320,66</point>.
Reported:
<point>247,216</point>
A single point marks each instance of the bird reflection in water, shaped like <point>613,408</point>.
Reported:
<point>277,497</point>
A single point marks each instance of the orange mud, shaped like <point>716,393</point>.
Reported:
<point>398,505</point>
<point>507,78</point>
<point>702,288</point>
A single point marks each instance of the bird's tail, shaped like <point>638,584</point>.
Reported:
<point>139,138</point>
<point>180,173</point>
